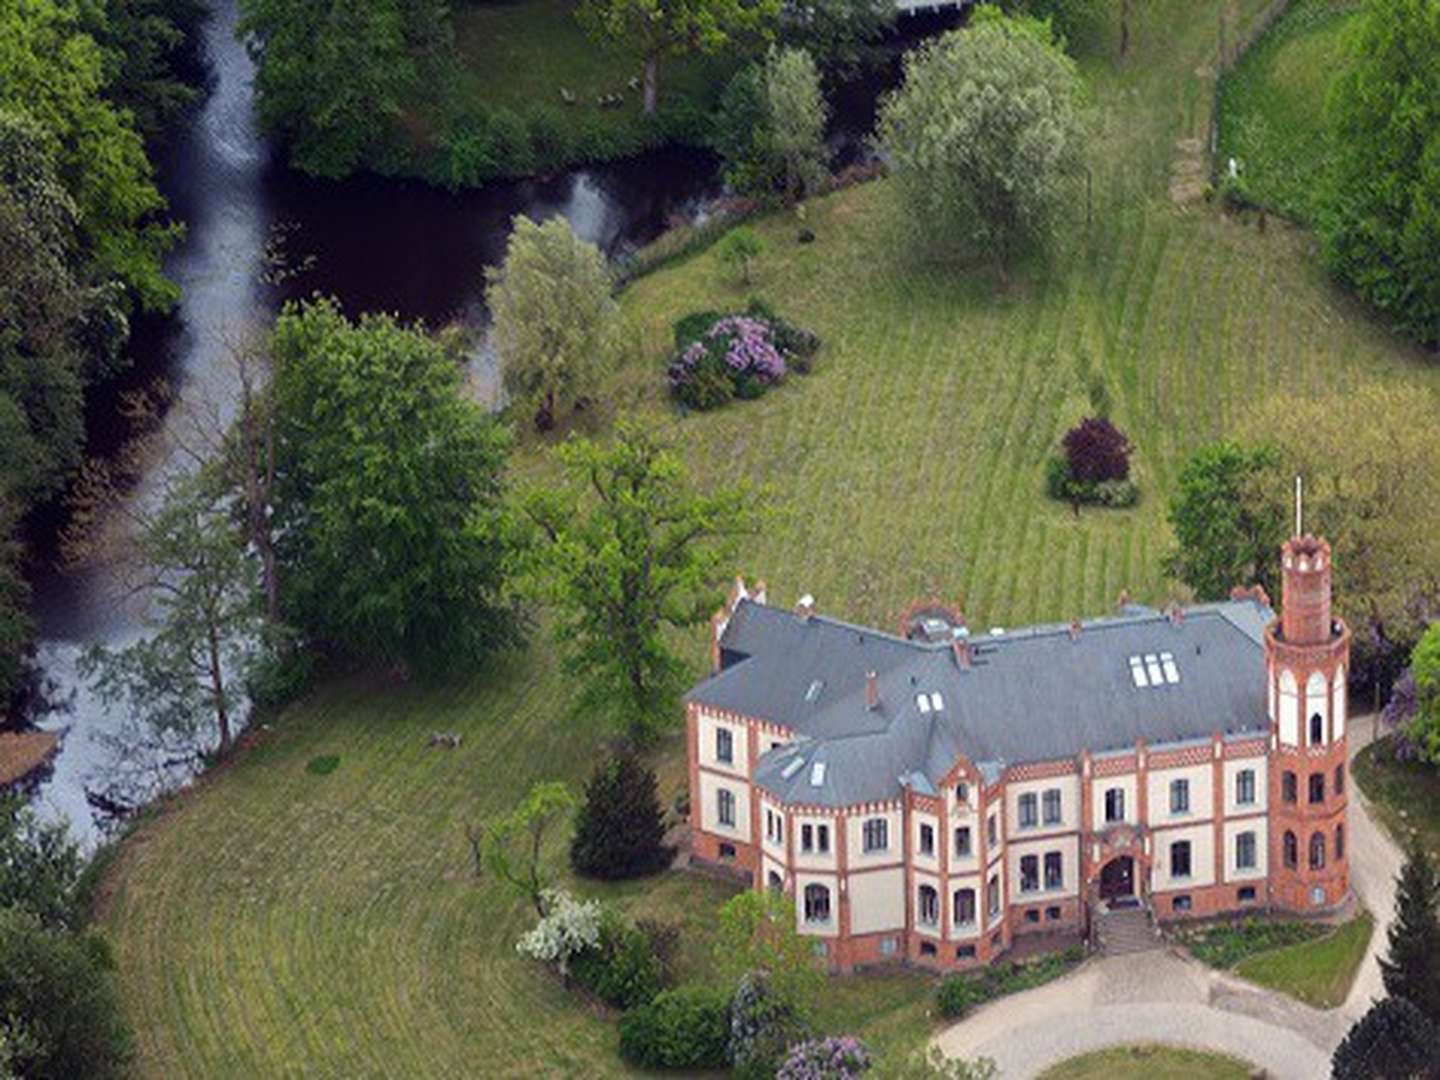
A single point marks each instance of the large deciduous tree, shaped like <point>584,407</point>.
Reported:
<point>1423,729</point>
<point>842,35</point>
<point>756,932</point>
<point>556,323</point>
<point>626,550</point>
<point>985,139</point>
<point>1408,966</point>
<point>1227,527</point>
<point>797,120</point>
<point>653,28</point>
<point>390,523</point>
<point>1379,216</point>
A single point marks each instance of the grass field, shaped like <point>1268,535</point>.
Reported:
<point>1148,1062</point>
<point>1404,794</point>
<point>1317,972</point>
<point>276,921</point>
<point>1272,105</point>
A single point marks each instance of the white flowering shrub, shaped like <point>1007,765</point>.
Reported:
<point>569,927</point>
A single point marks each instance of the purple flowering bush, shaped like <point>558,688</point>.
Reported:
<point>720,356</point>
<point>839,1057</point>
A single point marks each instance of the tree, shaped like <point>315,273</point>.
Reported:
<point>1424,728</point>
<point>842,35</point>
<point>1070,19</point>
<point>985,140</point>
<point>1392,1039</point>
<point>1227,527</point>
<point>756,932</point>
<point>151,47</point>
<point>1408,966</point>
<point>511,848</point>
<point>1379,217</point>
<point>389,517</point>
<point>740,247</point>
<point>763,1023</point>
<point>1097,451</point>
<point>653,28</point>
<point>327,70</point>
<point>797,120</point>
<point>556,322</point>
<point>39,867</point>
<point>624,552</point>
<point>57,990</point>
<point>17,629</point>
<point>189,674</point>
<point>620,832</point>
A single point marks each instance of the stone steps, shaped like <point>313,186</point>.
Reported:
<point>1127,931</point>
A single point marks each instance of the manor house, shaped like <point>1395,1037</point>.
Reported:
<point>932,795</point>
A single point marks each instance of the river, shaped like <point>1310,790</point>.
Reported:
<point>374,244</point>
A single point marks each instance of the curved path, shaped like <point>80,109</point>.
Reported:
<point>1165,996</point>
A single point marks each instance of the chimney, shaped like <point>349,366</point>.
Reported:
<point>961,647</point>
<point>1123,600</point>
<point>1075,629</point>
<point>759,594</point>
<point>1176,614</point>
<point>872,691</point>
<point>806,607</point>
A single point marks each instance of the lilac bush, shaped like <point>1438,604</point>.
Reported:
<point>838,1057</point>
<point>734,355</point>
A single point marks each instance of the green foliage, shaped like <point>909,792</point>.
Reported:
<point>738,250</point>
<point>623,970</point>
<point>1408,966</point>
<point>763,1024</point>
<point>626,549</point>
<point>1380,215</point>
<point>932,1064</point>
<point>985,140</point>
<point>1225,945</point>
<point>39,867</point>
<point>1072,21</point>
<point>1112,493</point>
<point>391,526</point>
<point>1393,1038</point>
<point>511,847</point>
<point>960,993</point>
<point>1424,729</point>
<point>620,831</point>
<point>557,328</point>
<point>16,627</point>
<point>1227,528</point>
<point>842,35</point>
<point>323,765</point>
<point>58,991</point>
<point>333,79</point>
<point>150,46</point>
<point>685,1028</point>
<point>756,932</point>
<point>769,128</point>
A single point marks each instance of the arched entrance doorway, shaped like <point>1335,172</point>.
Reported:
<point>1117,878</point>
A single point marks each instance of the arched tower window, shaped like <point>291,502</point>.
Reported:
<point>1292,850</point>
<point>1317,729</point>
<point>1289,709</point>
<point>1340,703</point>
<point>1339,842</point>
<point>929,905</point>
<point>776,883</point>
<point>817,904</point>
<point>1317,704</point>
<point>1317,851</point>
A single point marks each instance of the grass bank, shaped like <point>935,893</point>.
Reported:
<point>1147,1061</point>
<point>276,921</point>
<point>1317,972</point>
<point>1272,105</point>
<point>1405,795</point>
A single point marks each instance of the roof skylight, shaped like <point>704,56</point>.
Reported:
<point>814,691</point>
<point>1172,673</point>
<point>1137,672</point>
<point>936,701</point>
<point>922,702</point>
<point>817,774</point>
<point>1154,670</point>
<point>791,769</point>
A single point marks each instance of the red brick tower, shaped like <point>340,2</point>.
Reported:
<point>1307,653</point>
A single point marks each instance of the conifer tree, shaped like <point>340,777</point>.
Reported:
<point>1411,966</point>
<point>1393,1039</point>
<point>621,829</point>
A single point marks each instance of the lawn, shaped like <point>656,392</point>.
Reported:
<point>1317,972</point>
<point>1149,1062</point>
<point>1404,794</point>
<point>1272,105</point>
<point>279,920</point>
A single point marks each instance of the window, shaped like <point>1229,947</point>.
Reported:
<point>822,839</point>
<point>1339,842</point>
<point>1180,903</point>
<point>727,851</point>
<point>1032,914</point>
<point>962,792</point>
<point>991,832</point>
<point>820,949</point>
<point>725,806</point>
<point>1029,806</point>
<point>1052,914</point>
<point>776,883</point>
<point>964,952</point>
<point>964,907</point>
<point>1245,787</point>
<point>774,827</point>
<point>1292,850</point>
<point>1317,787</point>
<point>1029,873</point>
<point>1052,806</point>
<point>929,905</point>
<point>1246,895</point>
<point>1317,729</point>
<point>807,838</point>
<point>1245,851</point>
<point>1054,870</point>
<point>876,834</point>
<point>724,745</point>
<point>889,946</point>
<point>927,840</point>
<point>1180,859</point>
<point>1114,804</point>
<point>992,895</point>
<point>1179,796</point>
<point>1317,851</point>
<point>1339,779</point>
<point>962,842</point>
<point>927,948</point>
<point>817,904</point>
<point>1288,787</point>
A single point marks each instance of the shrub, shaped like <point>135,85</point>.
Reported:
<point>724,356</point>
<point>622,969</point>
<point>738,249</point>
<point>620,831</point>
<point>569,927</point>
<point>691,328</point>
<point>762,1024</point>
<point>322,766</point>
<point>958,994</point>
<point>835,1058</point>
<point>1113,493</point>
<point>685,1028</point>
<point>1097,451</point>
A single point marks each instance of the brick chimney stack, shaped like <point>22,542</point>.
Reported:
<point>1075,629</point>
<point>1305,592</point>
<point>960,646</point>
<point>872,690</point>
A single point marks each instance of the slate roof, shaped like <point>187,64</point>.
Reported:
<point>1030,695</point>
